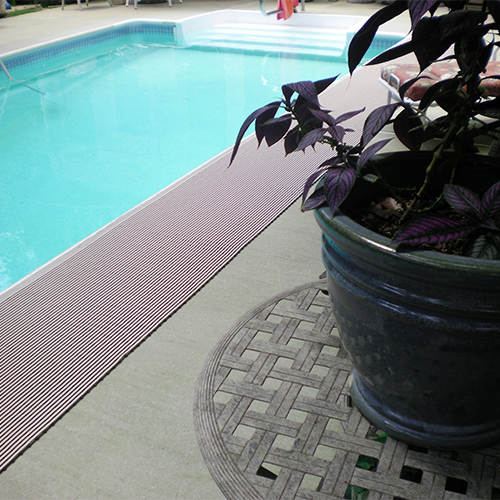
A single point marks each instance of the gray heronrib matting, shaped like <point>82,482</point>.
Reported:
<point>64,330</point>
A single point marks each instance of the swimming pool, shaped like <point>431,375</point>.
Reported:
<point>129,110</point>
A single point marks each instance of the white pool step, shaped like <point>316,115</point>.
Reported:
<point>323,42</point>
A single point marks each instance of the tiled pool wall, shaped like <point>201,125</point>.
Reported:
<point>135,31</point>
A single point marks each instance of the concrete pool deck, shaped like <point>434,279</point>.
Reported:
<point>132,436</point>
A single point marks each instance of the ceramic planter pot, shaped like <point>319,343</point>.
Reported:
<point>422,330</point>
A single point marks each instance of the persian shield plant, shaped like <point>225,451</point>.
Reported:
<point>452,215</point>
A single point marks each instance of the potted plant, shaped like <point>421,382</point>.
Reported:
<point>411,240</point>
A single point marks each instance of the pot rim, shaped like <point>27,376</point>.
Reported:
<point>358,234</point>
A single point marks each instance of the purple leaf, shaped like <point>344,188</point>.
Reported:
<point>418,8</point>
<point>271,108</point>
<point>408,129</point>
<point>434,92</point>
<point>489,108</point>
<point>275,129</point>
<point>463,200</point>
<point>350,114</point>
<point>292,140</point>
<point>337,132</point>
<point>314,201</point>
<point>490,204</point>
<point>317,199</point>
<point>260,120</point>
<point>457,24</point>
<point>363,38</point>
<point>394,52</point>
<point>306,89</point>
<point>428,45</point>
<point>338,183</point>
<point>485,246</point>
<point>331,162</point>
<point>406,85</point>
<point>324,84</point>
<point>489,224</point>
<point>311,138</point>
<point>324,116</point>
<point>432,229</point>
<point>310,181</point>
<point>376,121</point>
<point>369,152</point>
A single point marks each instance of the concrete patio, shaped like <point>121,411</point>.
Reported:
<point>132,435</point>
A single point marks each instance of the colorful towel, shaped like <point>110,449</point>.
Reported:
<point>286,8</point>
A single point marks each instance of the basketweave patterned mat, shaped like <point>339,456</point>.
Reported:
<point>273,418</point>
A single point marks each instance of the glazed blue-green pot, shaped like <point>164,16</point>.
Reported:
<point>422,330</point>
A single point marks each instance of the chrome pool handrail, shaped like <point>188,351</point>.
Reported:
<point>261,2</point>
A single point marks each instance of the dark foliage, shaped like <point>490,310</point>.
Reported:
<point>465,34</point>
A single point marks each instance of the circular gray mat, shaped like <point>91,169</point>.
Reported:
<point>273,419</point>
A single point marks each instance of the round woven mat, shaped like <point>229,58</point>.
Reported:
<point>273,419</point>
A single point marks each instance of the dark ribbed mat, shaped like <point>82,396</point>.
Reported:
<point>273,419</point>
<point>68,327</point>
<point>70,324</point>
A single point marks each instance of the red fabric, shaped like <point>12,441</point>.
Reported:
<point>286,8</point>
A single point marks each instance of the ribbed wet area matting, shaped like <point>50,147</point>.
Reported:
<point>66,329</point>
<point>63,331</point>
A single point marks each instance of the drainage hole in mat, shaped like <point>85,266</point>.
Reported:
<point>243,432</point>
<point>356,493</point>
<point>286,443</point>
<point>411,474</point>
<point>329,350</point>
<point>367,463</point>
<point>311,482</point>
<point>419,449</point>
<point>456,485</point>
<point>325,452</point>
<point>268,470</point>
<point>258,406</point>
<point>272,384</point>
<point>297,416</point>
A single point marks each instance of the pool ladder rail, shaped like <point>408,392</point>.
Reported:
<point>6,71</point>
<point>272,12</point>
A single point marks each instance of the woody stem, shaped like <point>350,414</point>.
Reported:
<point>428,172</point>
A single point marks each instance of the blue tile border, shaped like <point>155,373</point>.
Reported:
<point>92,38</point>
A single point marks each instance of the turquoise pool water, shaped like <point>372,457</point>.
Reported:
<point>121,119</point>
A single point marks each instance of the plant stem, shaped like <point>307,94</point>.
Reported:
<point>428,172</point>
